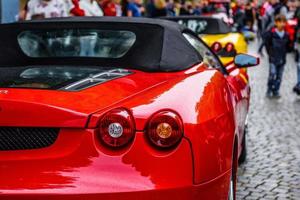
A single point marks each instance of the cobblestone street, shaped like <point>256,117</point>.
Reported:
<point>272,169</point>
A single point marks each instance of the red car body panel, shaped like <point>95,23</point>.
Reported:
<point>213,108</point>
<point>84,167</point>
<point>22,107</point>
<point>215,189</point>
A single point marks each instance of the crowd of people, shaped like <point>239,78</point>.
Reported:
<point>241,11</point>
<point>36,9</point>
<point>279,38</point>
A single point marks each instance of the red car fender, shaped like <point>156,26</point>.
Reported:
<point>203,101</point>
<point>238,81</point>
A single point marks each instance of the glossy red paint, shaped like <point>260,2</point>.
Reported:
<point>86,166</point>
<point>238,82</point>
<point>23,107</point>
<point>291,29</point>
<point>213,108</point>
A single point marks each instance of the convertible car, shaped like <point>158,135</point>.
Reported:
<point>118,108</point>
<point>217,34</point>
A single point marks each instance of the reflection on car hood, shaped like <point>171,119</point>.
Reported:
<point>60,108</point>
<point>68,78</point>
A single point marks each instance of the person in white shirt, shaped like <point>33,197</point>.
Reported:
<point>90,7</point>
<point>68,5</point>
<point>40,9</point>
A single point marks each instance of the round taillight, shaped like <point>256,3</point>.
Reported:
<point>116,128</point>
<point>216,46</point>
<point>229,47</point>
<point>165,129</point>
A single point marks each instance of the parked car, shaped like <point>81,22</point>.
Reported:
<point>217,34</point>
<point>118,108</point>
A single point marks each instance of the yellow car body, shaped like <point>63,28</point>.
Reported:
<point>237,39</point>
<point>214,30</point>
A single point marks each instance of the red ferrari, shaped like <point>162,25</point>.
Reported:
<point>118,108</point>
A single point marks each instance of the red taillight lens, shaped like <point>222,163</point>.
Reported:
<point>229,47</point>
<point>116,128</point>
<point>216,46</point>
<point>165,129</point>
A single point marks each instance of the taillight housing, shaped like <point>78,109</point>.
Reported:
<point>229,47</point>
<point>216,46</point>
<point>117,128</point>
<point>165,129</point>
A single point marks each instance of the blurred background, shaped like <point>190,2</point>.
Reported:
<point>12,10</point>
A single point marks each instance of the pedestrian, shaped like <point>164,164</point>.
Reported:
<point>170,6</point>
<point>197,8</point>
<point>206,7</point>
<point>23,12</point>
<point>239,16</point>
<point>109,8</point>
<point>76,10</point>
<point>276,42</point>
<point>296,89</point>
<point>177,7</point>
<point>91,8</point>
<point>268,19</point>
<point>249,16</point>
<point>118,8</point>
<point>150,8</point>
<point>40,9</point>
<point>160,8</point>
<point>282,8</point>
<point>258,12</point>
<point>132,8</point>
<point>69,4</point>
<point>187,8</point>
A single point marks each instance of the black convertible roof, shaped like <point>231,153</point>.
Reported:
<point>159,46</point>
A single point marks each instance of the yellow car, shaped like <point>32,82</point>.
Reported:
<point>217,34</point>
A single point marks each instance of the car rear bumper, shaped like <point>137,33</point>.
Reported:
<point>216,189</point>
<point>78,166</point>
<point>78,163</point>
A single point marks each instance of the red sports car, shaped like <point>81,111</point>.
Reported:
<point>118,108</point>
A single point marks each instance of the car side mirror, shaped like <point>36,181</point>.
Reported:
<point>245,60</point>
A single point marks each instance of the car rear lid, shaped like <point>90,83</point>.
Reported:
<point>51,102</point>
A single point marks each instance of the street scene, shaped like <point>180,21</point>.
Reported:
<point>272,167</point>
<point>150,99</point>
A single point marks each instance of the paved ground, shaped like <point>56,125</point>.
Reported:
<point>272,170</point>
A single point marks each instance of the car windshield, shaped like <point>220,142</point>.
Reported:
<point>76,43</point>
<point>204,26</point>
<point>57,77</point>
